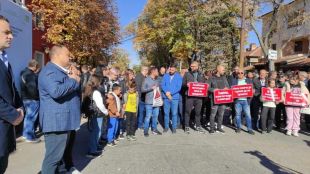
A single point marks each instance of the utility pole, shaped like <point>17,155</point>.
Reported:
<point>241,63</point>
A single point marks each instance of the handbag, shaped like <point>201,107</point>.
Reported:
<point>157,99</point>
<point>305,110</point>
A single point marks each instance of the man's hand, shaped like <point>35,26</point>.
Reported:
<point>75,77</point>
<point>168,93</point>
<point>117,114</point>
<point>154,87</point>
<point>19,118</point>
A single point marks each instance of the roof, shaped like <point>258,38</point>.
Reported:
<point>257,52</point>
<point>297,60</point>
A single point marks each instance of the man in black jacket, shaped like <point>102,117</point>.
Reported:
<point>141,109</point>
<point>256,103</point>
<point>218,81</point>
<point>193,76</point>
<point>30,96</point>
<point>11,112</point>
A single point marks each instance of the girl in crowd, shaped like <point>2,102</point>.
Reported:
<point>269,109</point>
<point>98,110</point>
<point>293,112</point>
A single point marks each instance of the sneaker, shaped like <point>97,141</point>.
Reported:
<point>263,132</point>
<point>36,140</point>
<point>187,130</point>
<point>269,131</point>
<point>174,131</point>
<point>112,144</point>
<point>289,133</point>
<point>238,130</point>
<point>295,133</point>
<point>166,130</point>
<point>220,130</point>
<point>93,155</point>
<point>200,130</point>
<point>121,136</point>
<point>73,170</point>
<point>146,134</point>
<point>156,132</point>
<point>133,138</point>
<point>251,132</point>
<point>128,137</point>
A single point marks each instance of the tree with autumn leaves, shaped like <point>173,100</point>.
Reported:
<point>182,30</point>
<point>89,28</point>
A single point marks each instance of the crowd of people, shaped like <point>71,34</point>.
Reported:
<point>117,104</point>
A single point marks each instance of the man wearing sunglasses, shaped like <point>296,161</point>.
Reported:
<point>243,104</point>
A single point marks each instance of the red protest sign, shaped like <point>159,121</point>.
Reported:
<point>294,99</point>
<point>197,89</point>
<point>269,94</point>
<point>222,96</point>
<point>242,91</point>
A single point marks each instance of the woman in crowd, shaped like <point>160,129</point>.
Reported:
<point>293,112</point>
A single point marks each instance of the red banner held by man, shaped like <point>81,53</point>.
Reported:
<point>269,94</point>
<point>197,89</point>
<point>242,91</point>
<point>222,96</point>
<point>295,99</point>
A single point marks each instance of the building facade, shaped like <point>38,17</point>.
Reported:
<point>291,35</point>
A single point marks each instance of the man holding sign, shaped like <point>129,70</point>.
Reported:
<point>193,76</point>
<point>243,104</point>
<point>216,82</point>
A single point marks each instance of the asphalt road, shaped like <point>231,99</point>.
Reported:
<point>182,154</point>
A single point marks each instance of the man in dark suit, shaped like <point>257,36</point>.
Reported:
<point>256,103</point>
<point>11,112</point>
<point>59,89</point>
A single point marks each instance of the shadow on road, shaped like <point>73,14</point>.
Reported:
<point>81,148</point>
<point>307,142</point>
<point>271,165</point>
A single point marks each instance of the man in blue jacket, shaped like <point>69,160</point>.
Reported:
<point>171,85</point>
<point>59,107</point>
<point>11,112</point>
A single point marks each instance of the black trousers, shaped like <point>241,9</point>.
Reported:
<point>256,105</point>
<point>104,129</point>
<point>280,116</point>
<point>217,110</point>
<point>131,121</point>
<point>267,117</point>
<point>4,160</point>
<point>197,104</point>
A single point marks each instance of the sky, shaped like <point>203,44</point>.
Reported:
<point>129,10</point>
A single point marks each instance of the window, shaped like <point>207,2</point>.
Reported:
<point>298,46</point>
<point>274,46</point>
<point>38,21</point>
<point>39,56</point>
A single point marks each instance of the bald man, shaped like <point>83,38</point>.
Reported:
<point>218,81</point>
<point>193,76</point>
<point>59,88</point>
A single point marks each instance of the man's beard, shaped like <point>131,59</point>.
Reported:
<point>171,73</point>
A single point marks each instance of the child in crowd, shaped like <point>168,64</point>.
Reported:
<point>131,102</point>
<point>269,110</point>
<point>97,111</point>
<point>114,108</point>
<point>293,112</point>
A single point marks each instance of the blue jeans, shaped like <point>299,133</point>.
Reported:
<point>95,133</point>
<point>151,112</point>
<point>31,115</point>
<point>171,106</point>
<point>112,129</point>
<point>243,105</point>
<point>55,145</point>
<point>141,114</point>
